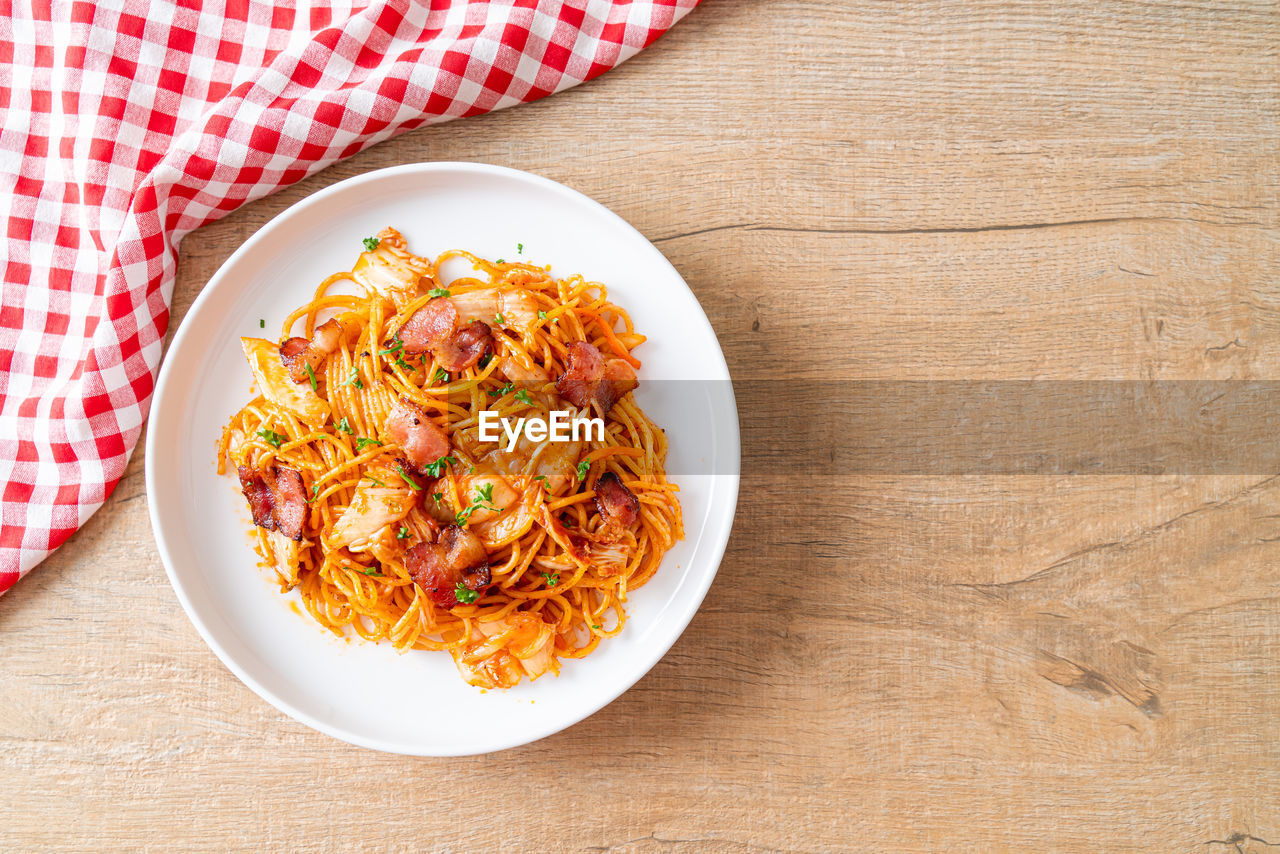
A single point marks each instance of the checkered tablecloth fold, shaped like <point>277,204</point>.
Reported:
<point>128,124</point>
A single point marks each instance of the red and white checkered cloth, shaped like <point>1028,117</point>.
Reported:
<point>127,124</point>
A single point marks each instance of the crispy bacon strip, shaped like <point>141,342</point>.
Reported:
<point>588,377</point>
<point>410,428</point>
<point>618,505</point>
<point>429,326</point>
<point>298,354</point>
<point>434,328</point>
<point>258,495</point>
<point>458,557</point>
<point>277,499</point>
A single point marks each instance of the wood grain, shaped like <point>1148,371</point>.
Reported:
<point>931,190</point>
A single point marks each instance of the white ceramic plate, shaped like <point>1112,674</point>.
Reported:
<point>368,694</point>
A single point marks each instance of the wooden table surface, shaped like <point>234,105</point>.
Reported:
<point>886,661</point>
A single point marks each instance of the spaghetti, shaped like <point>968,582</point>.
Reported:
<point>377,499</point>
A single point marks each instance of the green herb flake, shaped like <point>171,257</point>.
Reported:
<point>403,533</point>
<point>482,501</point>
<point>262,324</point>
<point>465,594</point>
<point>505,390</point>
<point>311,375</point>
<point>403,365</point>
<point>523,396</point>
<point>583,468</point>
<point>542,315</point>
<point>545,483</point>
<point>345,426</point>
<point>485,360</point>
<point>374,479</point>
<point>394,347</point>
<point>520,248</point>
<point>362,442</point>
<point>354,378</point>
<point>498,319</point>
<point>272,438</point>
<point>552,580</point>
<point>371,243</point>
<point>438,292</point>
<point>437,468</point>
<point>501,261</point>
<point>440,377</point>
<point>371,571</point>
<point>437,496</point>
<point>408,480</point>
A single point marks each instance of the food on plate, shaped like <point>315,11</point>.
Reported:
<point>377,488</point>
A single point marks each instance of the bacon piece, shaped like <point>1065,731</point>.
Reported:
<point>277,499</point>
<point>429,326</point>
<point>298,354</point>
<point>467,346</point>
<point>258,495</point>
<point>458,557</point>
<point>434,328</point>
<point>422,441</point>
<point>588,377</point>
<point>289,500</point>
<point>618,505</point>
<point>327,336</point>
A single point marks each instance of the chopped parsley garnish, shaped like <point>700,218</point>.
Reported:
<point>262,324</point>
<point>437,468</point>
<point>272,438</point>
<point>354,378</point>
<point>594,626</point>
<point>464,594</point>
<point>374,479</point>
<point>498,319</point>
<point>315,492</point>
<point>311,375</point>
<point>520,248</point>
<point>552,580</point>
<point>583,468</point>
<point>407,479</point>
<point>374,571</point>
<point>438,292</point>
<point>345,426</point>
<point>403,533</point>
<point>542,315</point>
<point>506,389</point>
<point>393,347</point>
<point>440,376</point>
<point>485,360</point>
<point>438,496</point>
<point>362,442</point>
<point>402,364</point>
<point>482,501</point>
<point>501,261</point>
<point>371,243</point>
<point>523,396</point>
<point>545,483</point>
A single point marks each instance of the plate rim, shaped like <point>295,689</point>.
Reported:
<point>722,521</point>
